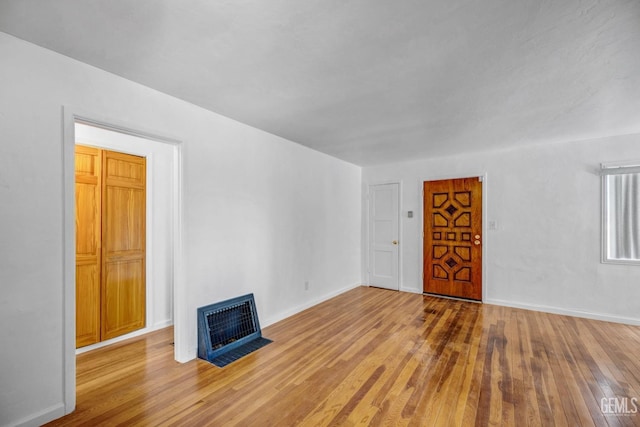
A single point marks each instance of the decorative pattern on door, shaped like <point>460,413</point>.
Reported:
<point>452,238</point>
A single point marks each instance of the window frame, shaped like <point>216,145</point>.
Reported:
<point>606,170</point>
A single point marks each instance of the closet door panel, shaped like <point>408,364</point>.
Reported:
<point>123,297</point>
<point>88,177</point>
<point>123,244</point>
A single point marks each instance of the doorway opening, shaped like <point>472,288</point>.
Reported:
<point>157,292</point>
<point>163,230</point>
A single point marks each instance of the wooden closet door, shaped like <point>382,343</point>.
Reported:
<point>88,166</point>
<point>123,244</point>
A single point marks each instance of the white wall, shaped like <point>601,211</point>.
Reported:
<point>545,253</point>
<point>159,271</point>
<point>261,215</point>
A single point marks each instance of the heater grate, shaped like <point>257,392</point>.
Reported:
<point>231,324</point>
<point>229,330</point>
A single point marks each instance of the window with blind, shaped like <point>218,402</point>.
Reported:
<point>621,213</point>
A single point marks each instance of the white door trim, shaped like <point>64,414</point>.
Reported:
<point>485,237</point>
<point>70,116</point>
<point>368,230</point>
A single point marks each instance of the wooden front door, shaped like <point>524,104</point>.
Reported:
<point>110,244</point>
<point>453,238</point>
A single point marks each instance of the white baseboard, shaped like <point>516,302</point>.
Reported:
<point>159,325</point>
<point>566,312</point>
<point>162,324</point>
<point>288,313</point>
<point>411,290</point>
<point>39,418</point>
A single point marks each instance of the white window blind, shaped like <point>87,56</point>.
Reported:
<point>621,213</point>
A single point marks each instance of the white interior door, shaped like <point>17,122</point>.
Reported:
<point>384,215</point>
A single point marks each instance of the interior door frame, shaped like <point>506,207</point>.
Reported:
<point>485,239</point>
<point>367,231</point>
<point>71,116</point>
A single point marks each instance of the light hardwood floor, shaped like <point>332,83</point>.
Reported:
<point>378,357</point>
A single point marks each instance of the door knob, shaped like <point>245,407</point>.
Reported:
<point>477,242</point>
<point>395,242</point>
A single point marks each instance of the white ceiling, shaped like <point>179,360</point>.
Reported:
<point>368,81</point>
